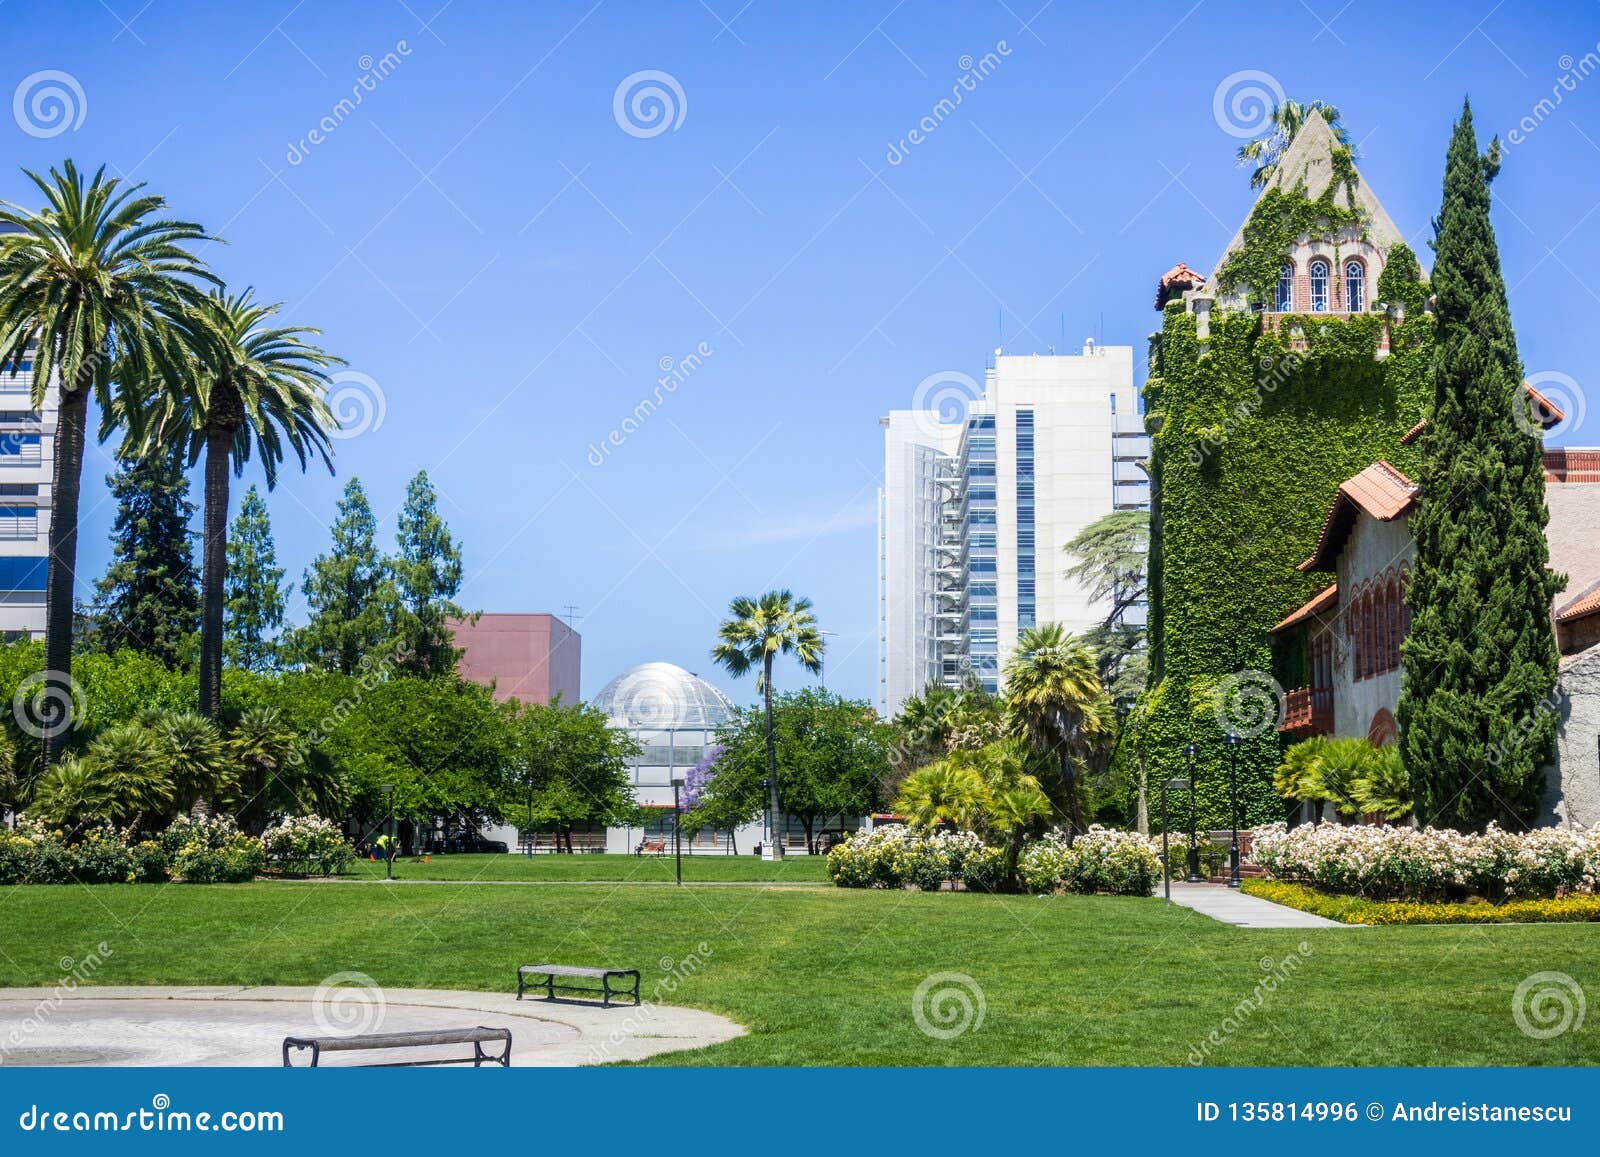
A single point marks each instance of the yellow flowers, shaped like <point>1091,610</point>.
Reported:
<point>1356,910</point>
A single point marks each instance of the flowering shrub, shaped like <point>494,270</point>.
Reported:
<point>895,855</point>
<point>1407,863</point>
<point>236,859</point>
<point>1100,860</point>
<point>1356,910</point>
<point>102,857</point>
<point>149,863</point>
<point>34,854</point>
<point>985,870</point>
<point>307,845</point>
<point>211,832</point>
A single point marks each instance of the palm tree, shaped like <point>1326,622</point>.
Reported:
<point>247,385</point>
<point>128,762</point>
<point>950,792</point>
<point>1288,117</point>
<point>1055,700</point>
<point>270,768</point>
<point>92,280</point>
<point>1013,811</point>
<point>757,631</point>
<point>195,755</point>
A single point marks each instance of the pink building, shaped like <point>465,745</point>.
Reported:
<point>533,658</point>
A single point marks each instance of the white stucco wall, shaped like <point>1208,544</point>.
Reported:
<point>1572,787</point>
<point>1373,547</point>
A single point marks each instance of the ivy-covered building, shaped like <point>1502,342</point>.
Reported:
<point>1300,361</point>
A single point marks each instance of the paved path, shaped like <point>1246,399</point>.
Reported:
<point>238,1026</point>
<point>1231,906</point>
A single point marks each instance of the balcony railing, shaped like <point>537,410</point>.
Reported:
<point>1308,711</point>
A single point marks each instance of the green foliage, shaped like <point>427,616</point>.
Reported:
<point>254,590</point>
<point>427,577</point>
<point>1100,860</point>
<point>1352,774</point>
<point>948,793</point>
<point>70,796</point>
<point>567,767</point>
<point>1112,555</point>
<point>1280,219</point>
<point>238,859</point>
<point>148,599</point>
<point>348,593</point>
<point>1232,522</point>
<point>306,846</point>
<point>1475,714</point>
<point>1055,700</point>
<point>1401,282</point>
<point>831,756</point>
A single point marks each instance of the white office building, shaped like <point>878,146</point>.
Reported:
<point>976,508</point>
<point>27,451</point>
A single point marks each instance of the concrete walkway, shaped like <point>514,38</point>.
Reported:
<point>239,1026</point>
<point>1231,906</point>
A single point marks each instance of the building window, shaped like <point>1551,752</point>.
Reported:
<point>1285,295</point>
<point>1321,272</point>
<point>1355,286</point>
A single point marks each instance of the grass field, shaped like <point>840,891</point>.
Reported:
<point>827,976</point>
<point>637,869</point>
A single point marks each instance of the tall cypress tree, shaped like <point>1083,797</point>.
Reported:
<point>1481,659</point>
<point>148,598</point>
<point>348,593</point>
<point>427,577</point>
<point>254,588</point>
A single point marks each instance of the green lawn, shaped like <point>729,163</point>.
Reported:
<point>638,869</point>
<point>827,976</point>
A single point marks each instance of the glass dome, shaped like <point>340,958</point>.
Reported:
<point>662,696</point>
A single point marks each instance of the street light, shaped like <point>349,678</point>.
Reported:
<point>766,817</point>
<point>1194,848</point>
<point>1166,863</point>
<point>677,830</point>
<point>388,853</point>
<point>1232,741</point>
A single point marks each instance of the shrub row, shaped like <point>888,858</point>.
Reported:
<point>896,856</point>
<point>210,851</point>
<point>1429,864</point>
<point>1358,910</point>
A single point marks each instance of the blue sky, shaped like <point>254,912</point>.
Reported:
<point>482,239</point>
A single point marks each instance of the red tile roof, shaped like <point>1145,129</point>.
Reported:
<point>1380,490</point>
<point>1323,600</point>
<point>1175,280</point>
<point>1587,603</point>
<point>1552,414</point>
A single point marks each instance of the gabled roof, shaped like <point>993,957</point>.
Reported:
<point>1175,280</point>
<point>1309,160</point>
<point>1324,600</point>
<point>1550,414</point>
<point>1380,490</point>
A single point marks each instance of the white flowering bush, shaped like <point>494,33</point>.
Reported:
<point>894,856</point>
<point>1100,860</point>
<point>307,845</point>
<point>1429,863</point>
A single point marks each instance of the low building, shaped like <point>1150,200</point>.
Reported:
<point>531,657</point>
<point>1345,642</point>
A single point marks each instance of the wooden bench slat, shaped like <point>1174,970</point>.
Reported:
<point>573,970</point>
<point>401,1040</point>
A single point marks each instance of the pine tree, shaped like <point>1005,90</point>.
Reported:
<point>427,577</point>
<point>148,599</point>
<point>255,592</point>
<point>1481,659</point>
<point>348,593</point>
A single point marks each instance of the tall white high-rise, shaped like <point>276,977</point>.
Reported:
<point>27,453</point>
<point>976,509</point>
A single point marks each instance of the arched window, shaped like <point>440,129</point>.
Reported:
<point>1395,634</point>
<point>1321,272</point>
<point>1369,641</point>
<point>1357,649</point>
<point>1284,299</point>
<point>1355,286</point>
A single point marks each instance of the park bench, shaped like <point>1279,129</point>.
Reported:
<point>477,1037</point>
<point>569,972</point>
<point>653,847</point>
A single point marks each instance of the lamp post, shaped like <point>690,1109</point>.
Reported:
<point>677,830</point>
<point>1194,849</point>
<point>388,853</point>
<point>1232,741</point>
<point>1166,862</point>
<point>766,818</point>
